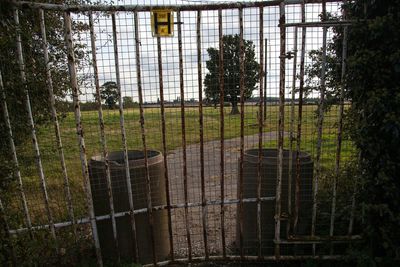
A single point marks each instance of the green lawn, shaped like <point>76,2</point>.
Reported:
<point>50,156</point>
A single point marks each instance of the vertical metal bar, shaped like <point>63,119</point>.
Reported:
<point>266,78</point>
<point>182,94</point>
<point>319,131</point>
<point>122,125</point>
<point>79,132</point>
<point>4,222</point>
<point>340,129</point>
<point>21,64</point>
<point>200,84</point>
<point>282,58</point>
<point>222,128</point>
<point>14,156</point>
<point>299,121</point>
<point>281,126</point>
<point>260,129</point>
<point>352,211</point>
<point>163,126</point>
<point>143,133</point>
<point>56,124</point>
<point>291,133</point>
<point>241,86</point>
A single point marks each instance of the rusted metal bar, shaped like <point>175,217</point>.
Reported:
<point>163,126</point>
<point>256,259</point>
<point>144,210</point>
<point>143,133</point>
<point>17,171</point>
<point>79,132</point>
<point>123,132</point>
<point>291,132</point>
<point>49,82</point>
<point>299,122</point>
<point>281,129</point>
<point>321,240</point>
<point>222,128</point>
<point>352,211</point>
<point>325,238</point>
<point>340,132</point>
<point>200,85</point>
<point>102,133</point>
<point>260,128</point>
<point>146,8</point>
<point>183,127</point>
<point>21,63</point>
<point>265,78</point>
<point>320,123</point>
<point>241,159</point>
<point>320,23</point>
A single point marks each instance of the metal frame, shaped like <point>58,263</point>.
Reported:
<point>291,230</point>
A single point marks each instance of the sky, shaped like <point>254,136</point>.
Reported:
<point>170,58</point>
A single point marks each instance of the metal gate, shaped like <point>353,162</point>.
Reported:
<point>160,104</point>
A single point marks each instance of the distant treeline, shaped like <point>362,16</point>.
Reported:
<point>67,106</point>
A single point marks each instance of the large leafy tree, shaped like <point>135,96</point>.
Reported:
<point>36,82</point>
<point>32,47</point>
<point>373,85</point>
<point>109,93</point>
<point>231,54</point>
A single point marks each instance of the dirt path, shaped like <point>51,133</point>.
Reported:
<point>212,191</point>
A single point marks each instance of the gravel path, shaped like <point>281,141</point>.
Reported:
<point>212,188</point>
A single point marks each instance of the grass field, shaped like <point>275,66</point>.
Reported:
<point>51,162</point>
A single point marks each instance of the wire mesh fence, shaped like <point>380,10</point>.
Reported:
<point>167,149</point>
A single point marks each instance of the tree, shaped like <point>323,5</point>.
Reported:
<point>373,83</point>
<point>109,93</point>
<point>373,86</point>
<point>32,46</point>
<point>231,53</point>
<point>128,102</point>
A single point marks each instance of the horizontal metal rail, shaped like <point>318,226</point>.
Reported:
<point>144,210</point>
<point>191,7</point>
<point>320,23</point>
<point>255,259</point>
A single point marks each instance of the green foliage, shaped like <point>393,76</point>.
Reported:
<point>374,86</point>
<point>128,102</point>
<point>109,93</point>
<point>231,53</point>
<point>373,121</point>
<point>333,69</point>
<point>32,46</point>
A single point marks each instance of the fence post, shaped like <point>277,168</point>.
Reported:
<point>241,159</point>
<point>320,123</point>
<point>260,130</point>
<point>291,134</point>
<point>21,63</point>
<point>222,128</point>
<point>14,156</point>
<point>79,132</point>
<point>55,122</point>
<point>281,126</point>
<point>299,121</point>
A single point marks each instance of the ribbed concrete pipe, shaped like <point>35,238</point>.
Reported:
<point>269,166</point>
<point>121,204</point>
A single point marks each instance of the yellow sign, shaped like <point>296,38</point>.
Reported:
<point>162,22</point>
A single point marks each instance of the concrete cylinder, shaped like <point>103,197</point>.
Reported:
<point>137,170</point>
<point>269,167</point>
